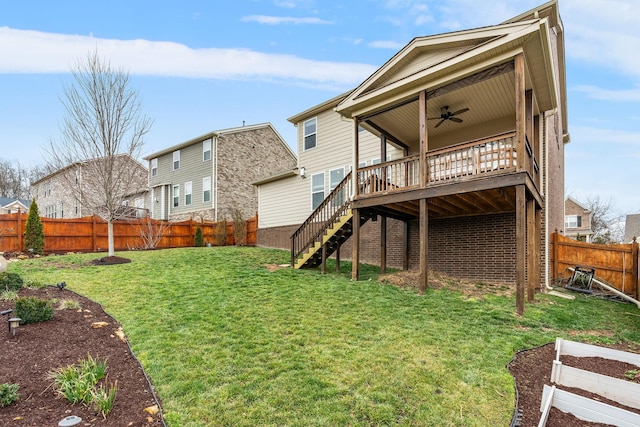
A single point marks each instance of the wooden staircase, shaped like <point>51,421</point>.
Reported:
<point>329,226</point>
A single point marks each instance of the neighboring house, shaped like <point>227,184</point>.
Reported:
<point>70,192</point>
<point>209,177</point>
<point>478,119</point>
<point>10,205</point>
<point>631,228</point>
<point>577,220</point>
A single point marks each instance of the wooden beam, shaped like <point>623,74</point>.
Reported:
<point>383,244</point>
<point>355,257</point>
<point>394,140</point>
<point>338,259</point>
<point>356,158</point>
<point>424,245</point>
<point>520,110</point>
<point>521,247</point>
<point>323,267</point>
<point>424,146</point>
<point>531,249</point>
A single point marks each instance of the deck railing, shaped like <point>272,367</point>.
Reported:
<point>481,157</point>
<point>332,207</point>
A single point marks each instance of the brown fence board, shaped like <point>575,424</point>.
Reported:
<point>616,264</point>
<point>90,234</point>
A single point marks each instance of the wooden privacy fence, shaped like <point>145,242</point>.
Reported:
<point>616,264</point>
<point>90,234</point>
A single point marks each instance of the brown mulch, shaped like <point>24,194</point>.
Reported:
<point>40,348</point>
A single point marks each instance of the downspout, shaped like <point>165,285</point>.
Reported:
<point>547,114</point>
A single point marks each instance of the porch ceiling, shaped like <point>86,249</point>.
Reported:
<point>488,101</point>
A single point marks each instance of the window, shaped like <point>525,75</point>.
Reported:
<point>206,150</point>
<point>176,160</point>
<point>362,164</point>
<point>61,210</point>
<point>572,221</point>
<point>176,196</point>
<point>376,161</point>
<point>310,134</point>
<point>206,189</point>
<point>335,176</point>
<point>77,206</point>
<point>187,193</point>
<point>317,189</point>
<point>154,167</point>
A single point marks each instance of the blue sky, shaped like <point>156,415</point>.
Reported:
<point>206,65</point>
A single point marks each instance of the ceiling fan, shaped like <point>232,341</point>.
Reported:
<point>445,115</point>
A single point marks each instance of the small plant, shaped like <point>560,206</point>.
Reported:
<point>8,295</point>
<point>76,382</point>
<point>8,394</point>
<point>103,398</point>
<point>198,239</point>
<point>69,304</point>
<point>220,233</point>
<point>32,309</point>
<point>11,281</point>
<point>239,227</point>
<point>633,375</point>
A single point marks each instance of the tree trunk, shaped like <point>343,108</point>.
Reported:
<point>110,232</point>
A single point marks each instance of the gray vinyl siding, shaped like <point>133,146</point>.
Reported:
<point>192,168</point>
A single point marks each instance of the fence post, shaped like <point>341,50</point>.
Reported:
<point>192,237</point>
<point>634,266</point>
<point>94,244</point>
<point>554,254</point>
<point>19,228</point>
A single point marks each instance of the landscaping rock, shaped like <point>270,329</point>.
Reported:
<point>3,264</point>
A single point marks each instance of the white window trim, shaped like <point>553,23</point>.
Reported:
<point>154,167</point>
<point>304,135</point>
<point>188,191</point>
<point>206,143</point>
<point>176,159</point>
<point>175,196</point>
<point>323,188</point>
<point>206,186</point>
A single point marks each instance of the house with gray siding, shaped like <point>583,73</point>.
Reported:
<point>210,176</point>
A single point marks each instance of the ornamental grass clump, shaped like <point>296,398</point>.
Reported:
<point>79,384</point>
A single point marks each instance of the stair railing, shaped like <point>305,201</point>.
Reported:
<point>332,207</point>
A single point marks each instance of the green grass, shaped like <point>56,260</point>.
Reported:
<point>227,342</point>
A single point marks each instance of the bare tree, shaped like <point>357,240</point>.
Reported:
<point>101,137</point>
<point>604,220</point>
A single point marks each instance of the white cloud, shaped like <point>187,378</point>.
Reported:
<point>624,95</point>
<point>606,138</point>
<point>386,44</point>
<point>26,51</point>
<point>277,20</point>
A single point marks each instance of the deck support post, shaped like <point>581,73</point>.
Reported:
<point>323,267</point>
<point>383,244</point>
<point>338,259</point>
<point>521,247</point>
<point>424,146</point>
<point>424,245</point>
<point>521,120</point>
<point>355,257</point>
<point>356,157</point>
<point>531,249</point>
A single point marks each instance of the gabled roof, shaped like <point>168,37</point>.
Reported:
<point>51,175</point>
<point>6,201</point>
<point>586,209</point>
<point>220,134</point>
<point>434,61</point>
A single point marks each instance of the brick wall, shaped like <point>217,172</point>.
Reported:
<point>479,248</point>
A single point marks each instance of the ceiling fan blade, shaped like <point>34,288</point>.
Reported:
<point>455,119</point>
<point>464,110</point>
<point>440,122</point>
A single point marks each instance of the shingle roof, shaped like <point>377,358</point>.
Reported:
<point>4,201</point>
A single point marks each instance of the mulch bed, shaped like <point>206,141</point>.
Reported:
<point>40,348</point>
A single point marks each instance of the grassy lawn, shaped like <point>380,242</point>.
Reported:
<point>228,342</point>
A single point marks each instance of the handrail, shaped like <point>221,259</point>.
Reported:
<point>331,208</point>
